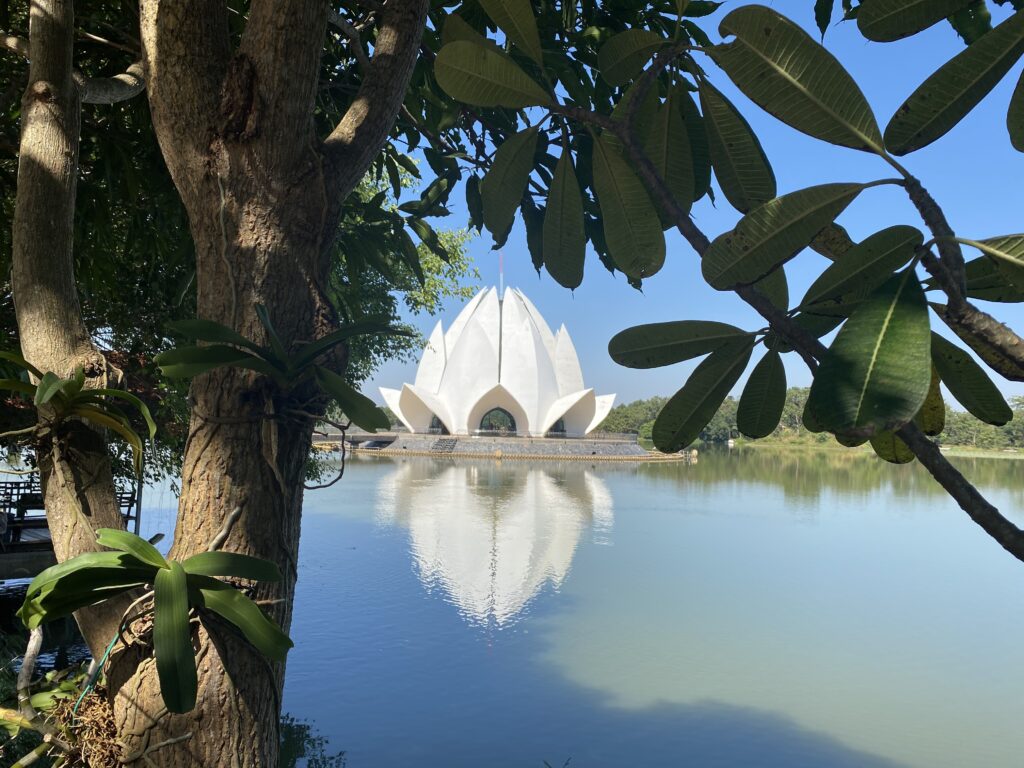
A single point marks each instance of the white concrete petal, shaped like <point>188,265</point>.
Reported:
<point>602,407</point>
<point>527,370</point>
<point>562,405</point>
<point>416,408</point>
<point>567,364</point>
<point>451,338</point>
<point>431,368</point>
<point>472,367</point>
<point>538,320</point>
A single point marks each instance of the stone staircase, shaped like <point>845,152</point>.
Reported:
<point>444,445</point>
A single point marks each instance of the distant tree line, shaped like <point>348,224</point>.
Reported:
<point>961,428</point>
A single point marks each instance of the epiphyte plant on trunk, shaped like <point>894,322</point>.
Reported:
<point>616,148</point>
<point>174,593</point>
<point>57,400</point>
<point>227,348</point>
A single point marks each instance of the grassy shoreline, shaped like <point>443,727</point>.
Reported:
<point>961,451</point>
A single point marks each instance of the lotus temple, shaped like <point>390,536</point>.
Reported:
<point>499,371</point>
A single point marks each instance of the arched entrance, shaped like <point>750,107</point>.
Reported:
<point>437,427</point>
<point>498,421</point>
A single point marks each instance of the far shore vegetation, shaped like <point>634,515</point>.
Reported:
<point>962,430</point>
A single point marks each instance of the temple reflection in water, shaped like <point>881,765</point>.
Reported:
<point>489,537</point>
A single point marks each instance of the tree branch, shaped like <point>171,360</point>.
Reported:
<point>110,90</point>
<point>997,339</point>
<point>355,41</point>
<point>810,349</point>
<point>357,139</point>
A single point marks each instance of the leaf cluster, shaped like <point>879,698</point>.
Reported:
<point>180,589</point>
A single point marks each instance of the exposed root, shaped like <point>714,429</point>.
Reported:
<point>92,729</point>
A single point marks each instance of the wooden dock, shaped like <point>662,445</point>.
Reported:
<point>25,545</point>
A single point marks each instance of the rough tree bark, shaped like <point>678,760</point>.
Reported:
<point>263,195</point>
<point>74,464</point>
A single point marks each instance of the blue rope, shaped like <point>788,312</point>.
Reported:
<point>94,676</point>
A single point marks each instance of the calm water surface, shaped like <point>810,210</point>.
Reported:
<point>765,608</point>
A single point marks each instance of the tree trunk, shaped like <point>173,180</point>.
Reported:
<point>263,194</point>
<point>243,451</point>
<point>74,462</point>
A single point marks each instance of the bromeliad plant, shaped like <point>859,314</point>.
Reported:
<point>56,400</point>
<point>228,348</point>
<point>179,591</point>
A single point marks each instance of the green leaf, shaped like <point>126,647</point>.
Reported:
<point>134,545</point>
<point>763,398</point>
<point>474,203</point>
<point>231,605</point>
<point>515,19</point>
<point>533,219</point>
<point>186,362</point>
<point>740,164</point>
<point>207,330</point>
<point>456,28</point>
<point>968,383</point>
<point>502,188</point>
<point>1015,116</point>
<point>277,346</point>
<point>888,20</point>
<point>985,281</point>
<point>876,374</point>
<point>773,233</point>
<point>631,225</point>
<point>785,72</point>
<point>47,388</point>
<point>564,240</point>
<point>623,57</point>
<point>83,580</point>
<point>775,287</point>
<point>667,145</point>
<point>231,565</point>
<point>370,327</point>
<point>697,132</point>
<point>659,344</point>
<point>172,639</point>
<point>866,265</point>
<point>692,407</point>
<point>21,362</point>
<point>355,405</point>
<point>932,416</point>
<point>117,423</point>
<point>972,22</point>
<point>477,75</point>
<point>97,395</point>
<point>1007,252</point>
<point>946,97</point>
<point>888,446</point>
<point>426,233</point>
<point>70,388</point>
<point>17,385</point>
<point>823,14</point>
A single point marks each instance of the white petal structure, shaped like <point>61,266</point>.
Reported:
<point>499,355</point>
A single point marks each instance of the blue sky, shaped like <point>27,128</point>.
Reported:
<point>973,172</point>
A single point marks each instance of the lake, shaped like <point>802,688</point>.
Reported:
<point>762,607</point>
